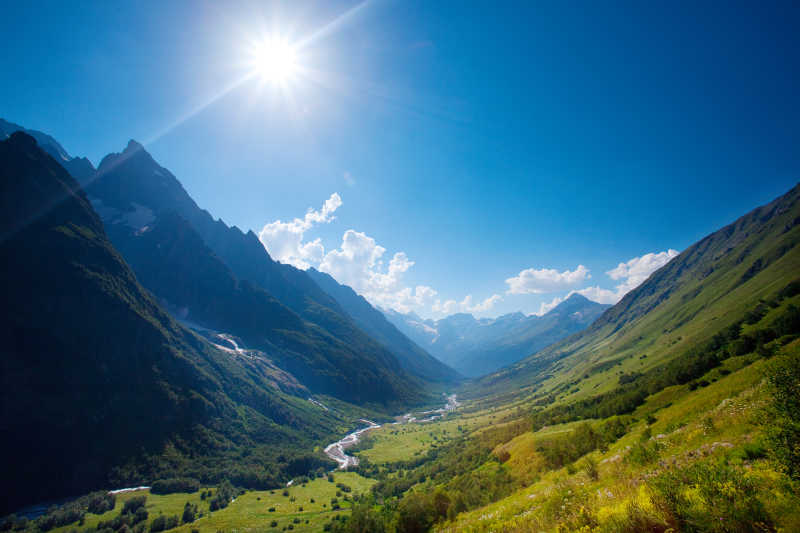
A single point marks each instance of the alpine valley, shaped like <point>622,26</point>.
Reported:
<point>162,371</point>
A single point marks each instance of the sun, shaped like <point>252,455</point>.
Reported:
<point>275,60</point>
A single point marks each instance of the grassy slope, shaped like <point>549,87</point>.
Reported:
<point>683,304</point>
<point>248,512</point>
<point>688,422</point>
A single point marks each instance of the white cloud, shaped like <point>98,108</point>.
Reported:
<point>546,307</point>
<point>284,240</point>
<point>601,295</point>
<point>467,305</point>
<point>359,264</point>
<point>448,307</point>
<point>546,280</point>
<point>631,274</point>
<point>349,179</point>
<point>638,269</point>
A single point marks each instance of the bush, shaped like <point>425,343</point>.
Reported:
<point>99,502</point>
<point>189,513</point>
<point>132,505</point>
<point>225,493</point>
<point>163,523</point>
<point>140,515</point>
<point>643,453</point>
<point>590,468</point>
<point>783,430</point>
<point>57,517</point>
<point>173,485</point>
<point>714,497</point>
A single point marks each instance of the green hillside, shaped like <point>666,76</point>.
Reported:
<point>100,387</point>
<point>676,411</point>
<point>707,288</point>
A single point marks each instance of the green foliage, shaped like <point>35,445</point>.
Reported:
<point>163,523</point>
<point>563,449</point>
<point>643,453</point>
<point>711,496</point>
<point>589,466</point>
<point>134,504</point>
<point>99,502</point>
<point>172,485</point>
<point>189,513</point>
<point>60,516</point>
<point>684,369</point>
<point>783,429</point>
<point>225,493</point>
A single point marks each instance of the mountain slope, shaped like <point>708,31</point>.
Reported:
<point>130,191</point>
<point>79,168</point>
<point>171,260</point>
<point>702,291</point>
<point>97,380</point>
<point>413,358</point>
<point>476,347</point>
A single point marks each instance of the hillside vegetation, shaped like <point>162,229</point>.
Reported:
<point>100,386</point>
<point>677,410</point>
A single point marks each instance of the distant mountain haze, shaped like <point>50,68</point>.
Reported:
<point>478,346</point>
<point>413,358</point>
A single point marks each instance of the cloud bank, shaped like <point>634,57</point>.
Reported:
<point>546,280</point>
<point>631,274</point>
<point>284,240</point>
<point>362,263</point>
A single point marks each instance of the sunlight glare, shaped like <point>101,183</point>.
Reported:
<point>275,60</point>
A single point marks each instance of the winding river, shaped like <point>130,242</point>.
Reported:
<point>336,450</point>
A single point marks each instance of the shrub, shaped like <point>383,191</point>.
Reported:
<point>225,493</point>
<point>783,430</point>
<point>132,505</point>
<point>55,517</point>
<point>590,468</point>
<point>163,523</point>
<point>173,485</point>
<point>636,519</point>
<point>99,502</point>
<point>714,497</point>
<point>189,513</point>
<point>643,453</point>
<point>503,455</point>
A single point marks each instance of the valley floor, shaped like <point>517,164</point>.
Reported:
<point>690,458</point>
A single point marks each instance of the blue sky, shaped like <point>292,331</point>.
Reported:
<point>513,153</point>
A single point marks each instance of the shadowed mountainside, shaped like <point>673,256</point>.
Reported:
<point>97,380</point>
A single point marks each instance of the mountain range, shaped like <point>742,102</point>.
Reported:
<point>145,340</point>
<point>224,279</point>
<point>98,381</point>
<point>476,347</point>
<point>145,327</point>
